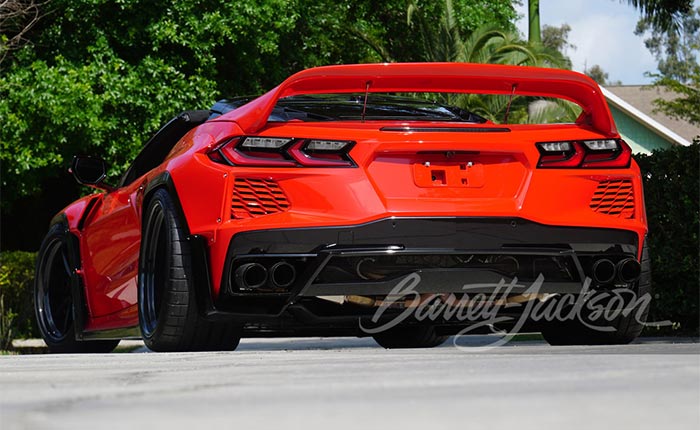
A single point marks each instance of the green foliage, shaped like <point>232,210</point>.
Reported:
<point>7,318</point>
<point>56,109</point>
<point>16,296</point>
<point>677,52</point>
<point>101,76</point>
<point>671,189</point>
<point>534,35</point>
<point>663,15</point>
<point>597,73</point>
<point>685,106</point>
<point>442,39</point>
<point>108,74</point>
<point>557,39</point>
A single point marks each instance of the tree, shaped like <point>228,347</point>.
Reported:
<point>677,52</point>
<point>17,17</point>
<point>404,39</point>
<point>557,39</point>
<point>101,76</point>
<point>442,40</point>
<point>533,14</point>
<point>685,106</point>
<point>597,73</point>
<point>663,15</point>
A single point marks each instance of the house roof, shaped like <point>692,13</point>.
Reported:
<point>637,101</point>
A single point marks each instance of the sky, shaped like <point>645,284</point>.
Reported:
<point>603,33</point>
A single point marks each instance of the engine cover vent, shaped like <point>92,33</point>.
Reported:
<point>615,198</point>
<point>253,197</point>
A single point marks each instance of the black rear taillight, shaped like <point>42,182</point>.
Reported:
<point>283,152</point>
<point>596,154</point>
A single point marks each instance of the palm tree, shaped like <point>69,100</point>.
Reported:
<point>441,40</point>
<point>664,15</point>
<point>534,32</point>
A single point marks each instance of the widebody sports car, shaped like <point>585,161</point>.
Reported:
<point>345,202</point>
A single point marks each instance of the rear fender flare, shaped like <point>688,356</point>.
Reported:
<point>199,247</point>
<point>164,180</point>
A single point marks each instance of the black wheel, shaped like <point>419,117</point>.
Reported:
<point>410,337</point>
<point>623,329</point>
<point>168,313</point>
<point>53,298</point>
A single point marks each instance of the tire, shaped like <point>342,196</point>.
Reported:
<point>168,315</point>
<point>624,328</point>
<point>53,297</point>
<point>409,337</point>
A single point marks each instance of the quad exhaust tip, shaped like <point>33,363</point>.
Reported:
<point>282,274</point>
<point>253,276</point>
<point>628,270</point>
<point>250,276</point>
<point>603,271</point>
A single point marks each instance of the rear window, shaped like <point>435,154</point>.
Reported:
<point>447,107</point>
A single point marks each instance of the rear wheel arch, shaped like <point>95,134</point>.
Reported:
<point>169,313</point>
<point>200,266</point>
<point>165,181</point>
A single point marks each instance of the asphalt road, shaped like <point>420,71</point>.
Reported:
<point>352,384</point>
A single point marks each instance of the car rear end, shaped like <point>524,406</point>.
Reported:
<point>325,220</point>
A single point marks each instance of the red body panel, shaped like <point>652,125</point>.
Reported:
<point>111,270</point>
<point>492,174</point>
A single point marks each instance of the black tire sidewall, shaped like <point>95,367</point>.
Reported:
<point>161,201</point>
<point>68,343</point>
<point>57,232</point>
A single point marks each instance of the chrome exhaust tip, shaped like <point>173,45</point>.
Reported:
<point>250,276</point>
<point>282,274</point>
<point>628,270</point>
<point>603,271</point>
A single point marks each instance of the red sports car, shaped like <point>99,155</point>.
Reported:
<point>344,199</point>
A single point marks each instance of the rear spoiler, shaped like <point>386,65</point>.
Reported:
<point>435,77</point>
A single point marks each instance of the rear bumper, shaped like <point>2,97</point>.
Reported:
<point>440,251</point>
<point>458,233</point>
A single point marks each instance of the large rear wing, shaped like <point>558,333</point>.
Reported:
<point>437,78</point>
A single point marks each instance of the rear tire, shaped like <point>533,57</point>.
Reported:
<point>53,297</point>
<point>168,313</point>
<point>624,328</point>
<point>410,337</point>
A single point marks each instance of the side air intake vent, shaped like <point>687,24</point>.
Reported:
<point>615,198</point>
<point>254,197</point>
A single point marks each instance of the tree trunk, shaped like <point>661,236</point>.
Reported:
<point>534,36</point>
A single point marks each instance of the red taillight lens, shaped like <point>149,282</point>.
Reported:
<point>560,154</point>
<point>597,154</point>
<point>610,156</point>
<point>283,152</point>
